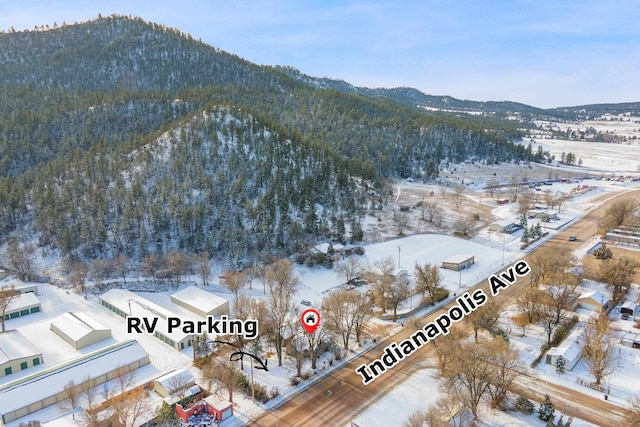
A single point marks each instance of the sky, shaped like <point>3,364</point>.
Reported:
<point>546,53</point>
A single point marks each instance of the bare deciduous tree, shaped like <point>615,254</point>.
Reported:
<point>280,309</point>
<point>527,303</point>
<point>203,266</point>
<point>434,213</point>
<point>7,295</point>
<point>343,310</point>
<point>178,264</point>
<point>468,375</point>
<point>234,281</point>
<point>546,315</point>
<point>599,347</point>
<point>445,412</point>
<point>121,263</point>
<point>458,194</point>
<point>71,393</point>
<point>525,202</point>
<point>617,274</point>
<point>220,371</point>
<point>428,279</point>
<point>152,264</point>
<point>619,212</point>
<point>349,268</point>
<point>506,367</point>
<point>388,290</point>
<point>179,384</point>
<point>485,317</point>
<point>130,406</point>
<point>77,278</point>
<point>20,258</point>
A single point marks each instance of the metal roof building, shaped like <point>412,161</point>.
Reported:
<point>79,330</point>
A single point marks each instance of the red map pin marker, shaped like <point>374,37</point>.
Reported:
<point>310,320</point>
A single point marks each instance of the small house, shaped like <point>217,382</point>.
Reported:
<point>458,262</point>
<point>505,226</point>
<point>333,252</point>
<point>567,354</point>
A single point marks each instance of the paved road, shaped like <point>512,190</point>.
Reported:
<point>341,396</point>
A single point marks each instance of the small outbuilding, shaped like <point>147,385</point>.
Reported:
<point>593,300</point>
<point>17,353</point>
<point>79,330</point>
<point>201,302</point>
<point>174,382</point>
<point>459,262</point>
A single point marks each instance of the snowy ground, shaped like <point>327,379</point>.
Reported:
<point>596,156</point>
<point>422,391</point>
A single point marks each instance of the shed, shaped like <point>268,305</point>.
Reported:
<point>593,300</point>
<point>629,307</point>
<point>221,408</point>
<point>504,226</point>
<point>458,262</point>
<point>630,340</point>
<point>201,302</point>
<point>17,353</point>
<point>22,305</point>
<point>174,382</point>
<point>79,330</point>
<point>567,354</point>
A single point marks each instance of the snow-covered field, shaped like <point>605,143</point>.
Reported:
<point>597,157</point>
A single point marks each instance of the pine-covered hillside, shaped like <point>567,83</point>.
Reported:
<point>221,182</point>
<point>83,108</point>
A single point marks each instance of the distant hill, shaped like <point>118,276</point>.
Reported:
<point>85,110</point>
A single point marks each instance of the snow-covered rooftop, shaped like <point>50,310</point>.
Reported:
<point>77,325</point>
<point>200,299</point>
<point>13,345</point>
<point>136,305</point>
<point>595,295</point>
<point>34,388</point>
<point>569,348</point>
<point>23,301</point>
<point>457,259</point>
<point>167,381</point>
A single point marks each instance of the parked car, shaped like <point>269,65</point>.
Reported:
<point>305,302</point>
<point>572,238</point>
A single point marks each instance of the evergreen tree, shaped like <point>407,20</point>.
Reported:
<point>546,411</point>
